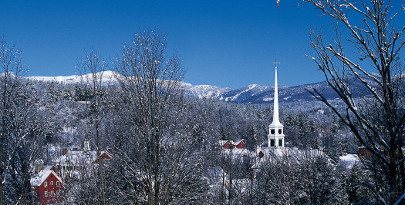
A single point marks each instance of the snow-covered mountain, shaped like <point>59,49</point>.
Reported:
<point>108,76</point>
<point>205,91</point>
<point>251,94</point>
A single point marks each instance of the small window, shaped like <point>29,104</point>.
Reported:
<point>272,131</point>
<point>280,131</point>
<point>57,183</point>
<point>280,143</point>
<point>271,143</point>
<point>46,193</point>
<point>45,184</point>
<point>52,193</point>
<point>51,183</point>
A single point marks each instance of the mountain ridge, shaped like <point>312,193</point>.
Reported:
<point>251,94</point>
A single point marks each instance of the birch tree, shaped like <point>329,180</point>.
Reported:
<point>368,49</point>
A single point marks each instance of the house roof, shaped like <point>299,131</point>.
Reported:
<point>79,158</point>
<point>293,152</point>
<point>239,141</point>
<point>39,178</point>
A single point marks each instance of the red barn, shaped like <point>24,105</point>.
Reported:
<point>47,187</point>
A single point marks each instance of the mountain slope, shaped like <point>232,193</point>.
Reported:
<point>252,94</point>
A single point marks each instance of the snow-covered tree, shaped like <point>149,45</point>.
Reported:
<point>161,154</point>
<point>368,50</point>
<point>92,68</point>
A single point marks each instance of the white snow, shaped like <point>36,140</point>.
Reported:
<point>205,91</point>
<point>297,154</point>
<point>257,89</point>
<point>108,76</point>
<point>349,160</point>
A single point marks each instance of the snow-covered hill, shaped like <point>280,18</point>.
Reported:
<point>252,94</point>
<point>108,76</point>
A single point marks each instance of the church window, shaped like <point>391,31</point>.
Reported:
<point>45,184</point>
<point>272,131</point>
<point>271,143</point>
<point>280,142</point>
<point>280,131</point>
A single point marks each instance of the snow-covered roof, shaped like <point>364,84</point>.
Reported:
<point>294,152</point>
<point>39,178</point>
<point>222,142</point>
<point>79,158</point>
<point>239,141</point>
<point>349,160</point>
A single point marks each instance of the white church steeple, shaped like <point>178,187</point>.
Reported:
<point>276,133</point>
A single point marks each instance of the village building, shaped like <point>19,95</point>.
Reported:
<point>230,144</point>
<point>73,161</point>
<point>47,187</point>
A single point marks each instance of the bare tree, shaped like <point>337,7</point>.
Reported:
<point>92,68</point>
<point>377,120</point>
<point>162,153</point>
<point>10,65</point>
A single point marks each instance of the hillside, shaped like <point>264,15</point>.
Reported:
<point>251,94</point>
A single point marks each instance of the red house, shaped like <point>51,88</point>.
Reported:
<point>240,144</point>
<point>47,187</point>
<point>230,144</point>
<point>103,155</point>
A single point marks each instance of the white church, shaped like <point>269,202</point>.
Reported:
<point>275,146</point>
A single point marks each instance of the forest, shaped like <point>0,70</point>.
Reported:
<point>138,139</point>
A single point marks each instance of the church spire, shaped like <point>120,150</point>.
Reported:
<point>276,119</point>
<point>276,134</point>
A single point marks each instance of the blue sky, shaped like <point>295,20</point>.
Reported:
<point>226,43</point>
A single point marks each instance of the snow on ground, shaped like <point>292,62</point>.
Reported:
<point>349,160</point>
